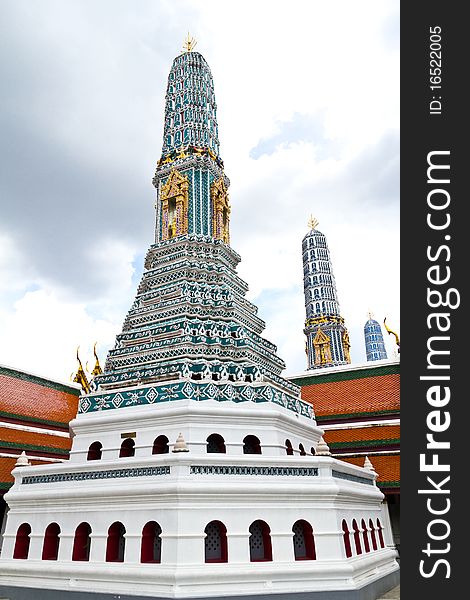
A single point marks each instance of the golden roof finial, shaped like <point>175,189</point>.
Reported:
<point>397,340</point>
<point>80,376</point>
<point>312,222</point>
<point>189,43</point>
<point>97,370</point>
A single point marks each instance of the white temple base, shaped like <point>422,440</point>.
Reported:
<point>183,492</point>
<point>365,576</point>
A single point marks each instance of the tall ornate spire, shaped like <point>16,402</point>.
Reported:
<point>191,333</point>
<point>327,338</point>
<point>191,185</point>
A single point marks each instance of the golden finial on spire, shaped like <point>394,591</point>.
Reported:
<point>189,43</point>
<point>397,340</point>
<point>80,376</point>
<point>97,370</point>
<point>312,222</point>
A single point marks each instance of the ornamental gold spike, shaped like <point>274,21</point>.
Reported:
<point>397,340</point>
<point>97,370</point>
<point>80,376</point>
<point>189,44</point>
<point>313,222</point>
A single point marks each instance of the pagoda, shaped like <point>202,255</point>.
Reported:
<point>327,337</point>
<point>196,470</point>
<point>374,340</point>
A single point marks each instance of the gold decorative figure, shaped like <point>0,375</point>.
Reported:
<point>174,197</point>
<point>189,44</point>
<point>220,210</point>
<point>80,376</point>
<point>322,348</point>
<point>312,223</point>
<point>97,370</point>
<point>397,340</point>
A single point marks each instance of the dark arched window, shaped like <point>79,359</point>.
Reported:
<point>160,445</point>
<point>372,534</point>
<point>22,541</point>
<point>357,537</point>
<point>260,542</point>
<point>364,536</point>
<point>127,448</point>
<point>82,542</point>
<point>215,543</point>
<point>379,531</point>
<point>302,450</point>
<point>50,548</point>
<point>304,544</point>
<point>151,548</point>
<point>312,451</point>
<point>251,445</point>
<point>116,543</point>
<point>215,444</point>
<point>289,449</point>
<point>95,451</point>
<point>346,539</point>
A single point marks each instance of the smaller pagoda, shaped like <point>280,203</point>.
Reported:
<point>327,337</point>
<point>374,340</point>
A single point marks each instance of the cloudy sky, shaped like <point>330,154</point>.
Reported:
<point>308,112</point>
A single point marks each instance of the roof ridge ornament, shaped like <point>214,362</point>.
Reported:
<point>80,376</point>
<point>397,339</point>
<point>97,370</point>
<point>189,43</point>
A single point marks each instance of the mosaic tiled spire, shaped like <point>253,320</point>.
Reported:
<point>191,333</point>
<point>327,337</point>
<point>374,340</point>
<point>192,187</point>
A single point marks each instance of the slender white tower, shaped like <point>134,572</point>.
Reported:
<point>327,337</point>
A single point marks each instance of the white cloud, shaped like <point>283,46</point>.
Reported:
<point>42,333</point>
<point>13,268</point>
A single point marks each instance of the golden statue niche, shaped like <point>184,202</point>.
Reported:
<point>174,196</point>
<point>220,211</point>
<point>322,348</point>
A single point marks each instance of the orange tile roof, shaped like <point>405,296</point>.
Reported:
<point>28,396</point>
<point>6,466</point>
<point>386,465</point>
<point>18,438</point>
<point>376,432</point>
<point>351,396</point>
